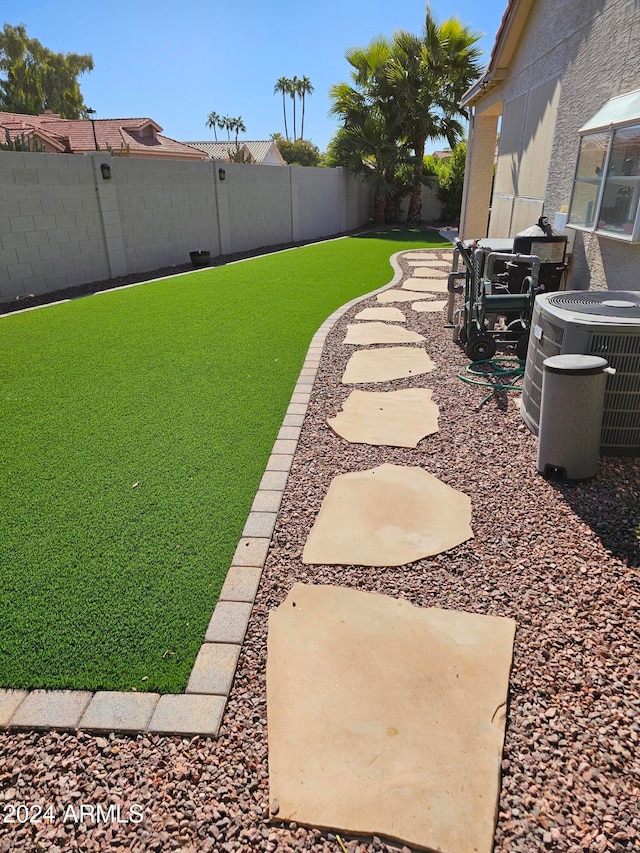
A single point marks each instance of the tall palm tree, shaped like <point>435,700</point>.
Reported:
<point>213,122</point>
<point>294,88</point>
<point>282,86</point>
<point>237,125</point>
<point>426,77</point>
<point>226,123</point>
<point>305,89</point>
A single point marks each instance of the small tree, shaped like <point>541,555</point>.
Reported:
<point>298,153</point>
<point>37,79</point>
<point>450,174</point>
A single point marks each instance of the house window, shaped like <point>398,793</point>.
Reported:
<point>606,187</point>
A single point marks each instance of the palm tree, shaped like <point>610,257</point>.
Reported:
<point>213,122</point>
<point>305,89</point>
<point>237,125</point>
<point>369,143</point>
<point>294,88</point>
<point>365,150</point>
<point>426,77</point>
<point>226,123</point>
<point>282,86</point>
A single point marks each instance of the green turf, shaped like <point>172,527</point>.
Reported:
<point>136,426</point>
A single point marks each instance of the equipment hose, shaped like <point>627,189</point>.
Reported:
<point>496,373</point>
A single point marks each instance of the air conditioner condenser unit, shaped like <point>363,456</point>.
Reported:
<point>590,322</point>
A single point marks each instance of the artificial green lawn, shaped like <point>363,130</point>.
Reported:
<point>136,426</point>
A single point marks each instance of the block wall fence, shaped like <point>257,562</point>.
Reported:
<point>62,224</point>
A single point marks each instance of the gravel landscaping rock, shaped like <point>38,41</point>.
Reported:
<point>562,560</point>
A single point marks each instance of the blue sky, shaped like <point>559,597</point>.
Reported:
<point>176,62</point>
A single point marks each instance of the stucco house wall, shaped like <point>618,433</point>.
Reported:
<point>553,67</point>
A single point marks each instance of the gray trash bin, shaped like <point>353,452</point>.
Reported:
<point>571,415</point>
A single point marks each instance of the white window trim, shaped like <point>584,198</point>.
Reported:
<point>628,104</point>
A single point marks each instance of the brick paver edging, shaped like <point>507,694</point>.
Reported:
<point>200,709</point>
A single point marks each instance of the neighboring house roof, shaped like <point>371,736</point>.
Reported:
<point>265,152</point>
<point>140,137</point>
<point>443,155</point>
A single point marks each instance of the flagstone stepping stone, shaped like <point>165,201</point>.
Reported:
<point>385,364</point>
<point>387,516</point>
<point>387,719</point>
<point>388,315</point>
<point>434,285</point>
<point>430,272</point>
<point>396,295</point>
<point>393,418</point>
<point>438,268</point>
<point>380,333</point>
<point>434,305</point>
<point>423,285</point>
<point>423,256</point>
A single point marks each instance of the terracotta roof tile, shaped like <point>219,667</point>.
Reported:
<point>76,135</point>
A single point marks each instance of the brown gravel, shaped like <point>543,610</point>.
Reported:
<point>562,560</point>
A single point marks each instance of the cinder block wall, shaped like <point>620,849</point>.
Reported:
<point>357,203</point>
<point>62,224</point>
<point>167,209</point>
<point>51,233</point>
<point>255,203</point>
<point>316,199</point>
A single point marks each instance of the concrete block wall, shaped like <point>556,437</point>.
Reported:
<point>356,202</point>
<point>167,209</point>
<point>256,203</point>
<point>62,224</point>
<point>431,204</point>
<point>316,200</point>
<point>51,233</point>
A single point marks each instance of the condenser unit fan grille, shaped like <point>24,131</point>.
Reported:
<point>602,304</point>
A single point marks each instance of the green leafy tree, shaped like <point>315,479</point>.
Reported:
<point>34,78</point>
<point>298,153</point>
<point>450,174</point>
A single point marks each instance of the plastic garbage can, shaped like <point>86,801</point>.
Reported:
<point>571,409</point>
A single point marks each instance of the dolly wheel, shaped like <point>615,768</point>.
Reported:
<point>522,347</point>
<point>480,348</point>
